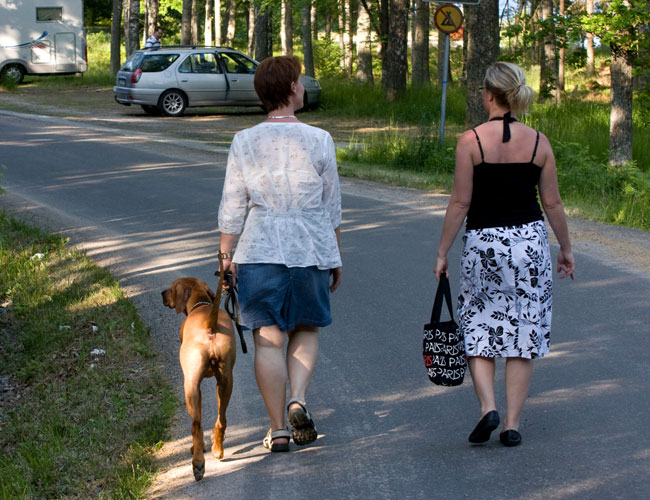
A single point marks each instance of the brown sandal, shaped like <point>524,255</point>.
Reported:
<point>304,429</point>
<point>275,447</point>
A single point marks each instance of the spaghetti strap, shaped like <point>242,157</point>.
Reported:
<point>535,150</point>
<point>481,147</point>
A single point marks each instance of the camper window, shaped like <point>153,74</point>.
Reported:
<point>49,14</point>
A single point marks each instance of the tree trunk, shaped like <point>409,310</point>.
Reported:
<point>218,39</point>
<point>517,21</point>
<point>232,19</point>
<point>364,48</point>
<point>342,51</point>
<point>263,35</point>
<point>590,42</point>
<point>561,55</point>
<point>209,22</point>
<point>153,16</point>
<point>132,26</point>
<point>482,25</point>
<point>384,37</point>
<point>195,22</point>
<point>548,61</point>
<point>186,23</point>
<point>251,28</point>
<point>286,30</point>
<point>116,28</point>
<point>349,46</point>
<point>620,120</point>
<point>395,83</point>
<point>420,52</point>
<point>314,25</point>
<point>307,49</point>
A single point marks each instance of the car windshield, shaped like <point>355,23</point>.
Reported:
<point>153,63</point>
<point>238,63</point>
<point>132,62</point>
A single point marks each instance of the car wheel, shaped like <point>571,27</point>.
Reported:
<point>172,103</point>
<point>151,110</point>
<point>13,73</point>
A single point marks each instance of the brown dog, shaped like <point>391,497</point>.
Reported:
<point>207,349</point>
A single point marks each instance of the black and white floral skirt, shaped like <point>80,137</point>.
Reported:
<point>505,301</point>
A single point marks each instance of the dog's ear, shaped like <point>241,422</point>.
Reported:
<point>210,294</point>
<point>181,295</point>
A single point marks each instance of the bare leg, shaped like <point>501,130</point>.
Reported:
<point>518,374</point>
<point>482,371</point>
<point>302,355</point>
<point>271,373</point>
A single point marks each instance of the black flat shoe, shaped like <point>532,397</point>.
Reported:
<point>484,428</point>
<point>510,438</point>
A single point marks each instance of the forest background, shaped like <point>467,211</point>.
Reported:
<point>588,61</point>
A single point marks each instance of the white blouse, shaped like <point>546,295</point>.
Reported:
<point>285,175</point>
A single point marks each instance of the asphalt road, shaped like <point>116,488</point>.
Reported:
<point>147,209</point>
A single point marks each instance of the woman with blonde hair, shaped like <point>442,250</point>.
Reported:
<point>505,299</point>
<point>281,193</point>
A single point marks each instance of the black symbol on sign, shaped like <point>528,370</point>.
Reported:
<point>447,21</point>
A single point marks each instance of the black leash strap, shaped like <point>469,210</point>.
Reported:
<point>231,306</point>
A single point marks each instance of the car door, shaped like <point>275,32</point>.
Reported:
<point>202,79</point>
<point>240,72</point>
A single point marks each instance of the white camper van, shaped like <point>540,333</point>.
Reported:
<point>41,37</point>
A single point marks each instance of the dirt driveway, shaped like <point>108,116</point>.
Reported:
<point>212,125</point>
<point>215,126</point>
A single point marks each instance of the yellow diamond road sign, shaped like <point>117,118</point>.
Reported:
<point>448,18</point>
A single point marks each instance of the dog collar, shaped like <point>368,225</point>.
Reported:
<point>200,304</point>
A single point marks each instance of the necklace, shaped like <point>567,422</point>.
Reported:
<point>279,117</point>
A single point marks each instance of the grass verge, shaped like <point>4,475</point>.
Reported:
<point>83,403</point>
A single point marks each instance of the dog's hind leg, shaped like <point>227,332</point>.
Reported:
<point>193,402</point>
<point>224,391</point>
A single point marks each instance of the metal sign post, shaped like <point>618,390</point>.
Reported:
<point>448,19</point>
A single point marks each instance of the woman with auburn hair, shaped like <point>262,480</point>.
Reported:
<point>505,299</point>
<point>284,174</point>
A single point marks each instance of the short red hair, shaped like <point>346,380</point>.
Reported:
<point>273,79</point>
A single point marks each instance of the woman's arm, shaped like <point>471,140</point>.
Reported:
<point>461,197</point>
<point>233,205</point>
<point>549,195</point>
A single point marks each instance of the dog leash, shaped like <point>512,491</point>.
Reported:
<point>231,305</point>
<point>231,298</point>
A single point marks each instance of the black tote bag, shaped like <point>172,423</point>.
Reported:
<point>443,346</point>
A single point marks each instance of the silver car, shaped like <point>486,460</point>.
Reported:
<point>171,79</point>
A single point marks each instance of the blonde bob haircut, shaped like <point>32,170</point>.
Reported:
<point>507,82</point>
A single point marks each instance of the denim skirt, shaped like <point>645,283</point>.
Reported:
<point>274,294</point>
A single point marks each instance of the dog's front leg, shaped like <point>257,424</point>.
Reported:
<point>224,391</point>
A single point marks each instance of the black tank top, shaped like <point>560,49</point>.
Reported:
<point>504,194</point>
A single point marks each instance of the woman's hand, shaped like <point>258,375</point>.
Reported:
<point>566,264</point>
<point>441,267</point>
<point>229,266</point>
<point>336,278</point>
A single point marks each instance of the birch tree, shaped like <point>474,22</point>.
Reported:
<point>209,22</point>
<point>232,20</point>
<point>286,28</point>
<point>218,39</point>
<point>364,48</point>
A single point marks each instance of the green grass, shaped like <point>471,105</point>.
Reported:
<point>73,424</point>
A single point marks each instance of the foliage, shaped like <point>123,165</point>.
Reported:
<point>75,423</point>
<point>619,195</point>
<point>618,23</point>
<point>418,105</point>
